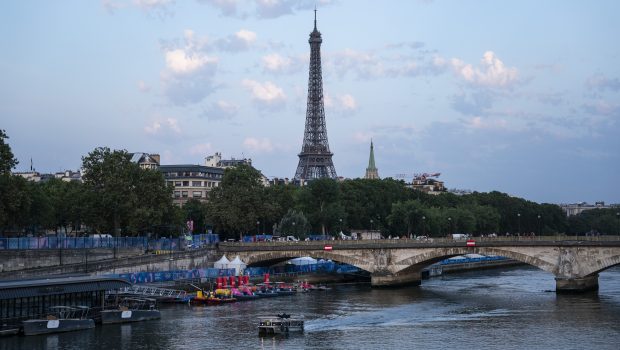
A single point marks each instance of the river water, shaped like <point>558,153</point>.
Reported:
<point>510,308</point>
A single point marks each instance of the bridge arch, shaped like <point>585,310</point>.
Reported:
<point>254,258</point>
<point>419,261</point>
<point>603,264</point>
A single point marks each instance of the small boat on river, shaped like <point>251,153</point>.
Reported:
<point>131,310</point>
<point>60,319</point>
<point>279,324</point>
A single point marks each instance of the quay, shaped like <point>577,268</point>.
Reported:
<point>23,301</point>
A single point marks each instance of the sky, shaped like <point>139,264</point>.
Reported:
<point>521,97</point>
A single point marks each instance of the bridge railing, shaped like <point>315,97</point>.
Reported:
<point>429,241</point>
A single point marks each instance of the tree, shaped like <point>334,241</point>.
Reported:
<point>320,200</point>
<point>236,205</point>
<point>406,217</point>
<point>294,223</point>
<point>7,160</point>
<point>121,194</point>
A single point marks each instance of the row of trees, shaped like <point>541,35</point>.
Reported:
<point>117,196</point>
<point>241,206</point>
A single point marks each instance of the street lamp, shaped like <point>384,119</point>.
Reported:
<point>449,226</point>
<point>519,223</point>
<point>340,225</point>
<point>294,229</point>
<point>423,225</point>
<point>371,222</point>
<point>618,217</point>
<point>257,229</point>
<point>539,232</point>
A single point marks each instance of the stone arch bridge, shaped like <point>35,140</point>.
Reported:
<point>574,261</point>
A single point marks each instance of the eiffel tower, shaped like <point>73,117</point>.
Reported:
<point>315,159</point>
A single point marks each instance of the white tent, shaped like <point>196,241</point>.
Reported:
<point>238,265</point>
<point>223,263</point>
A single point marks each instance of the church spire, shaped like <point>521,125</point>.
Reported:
<point>371,172</point>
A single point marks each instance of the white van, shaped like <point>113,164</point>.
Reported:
<point>291,239</point>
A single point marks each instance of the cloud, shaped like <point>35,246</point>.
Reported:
<point>189,73</point>
<point>265,94</point>
<point>602,108</point>
<point>486,123</point>
<point>258,145</point>
<point>227,7</point>
<point>164,128</point>
<point>601,83</point>
<point>344,104</point>
<point>490,73</point>
<point>264,9</point>
<point>362,136</point>
<point>276,63</point>
<point>365,65</point>
<point>200,149</point>
<point>221,110</point>
<point>161,8</point>
<point>143,87</point>
<point>240,41</point>
<point>476,103</point>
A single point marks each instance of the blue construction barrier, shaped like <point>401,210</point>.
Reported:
<point>174,275</point>
<point>53,242</point>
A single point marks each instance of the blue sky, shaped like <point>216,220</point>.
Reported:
<point>517,96</point>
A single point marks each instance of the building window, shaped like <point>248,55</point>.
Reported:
<point>178,183</point>
<point>197,194</point>
<point>185,183</point>
<point>184,194</point>
<point>177,194</point>
<point>196,183</point>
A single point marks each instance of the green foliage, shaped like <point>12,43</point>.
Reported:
<point>294,223</point>
<point>320,201</point>
<point>7,160</point>
<point>122,197</point>
<point>236,205</point>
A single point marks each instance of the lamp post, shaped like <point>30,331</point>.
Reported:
<point>340,225</point>
<point>294,229</point>
<point>371,222</point>
<point>449,226</point>
<point>618,219</point>
<point>519,223</point>
<point>423,225</point>
<point>257,227</point>
<point>539,227</point>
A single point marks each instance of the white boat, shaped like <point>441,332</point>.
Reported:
<point>131,310</point>
<point>280,324</point>
<point>60,319</point>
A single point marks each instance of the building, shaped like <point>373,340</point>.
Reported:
<point>315,158</point>
<point>216,161</point>
<point>145,160</point>
<point>578,208</point>
<point>371,172</point>
<point>191,181</point>
<point>428,183</point>
<point>35,176</point>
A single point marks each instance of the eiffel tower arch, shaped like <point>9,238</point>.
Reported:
<point>315,158</point>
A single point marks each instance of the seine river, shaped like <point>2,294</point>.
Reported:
<point>491,309</point>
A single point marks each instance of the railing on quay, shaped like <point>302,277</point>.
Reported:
<point>161,244</point>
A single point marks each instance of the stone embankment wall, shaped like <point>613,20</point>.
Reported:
<point>39,263</point>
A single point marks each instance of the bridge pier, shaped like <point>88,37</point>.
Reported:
<point>383,279</point>
<point>576,285</point>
